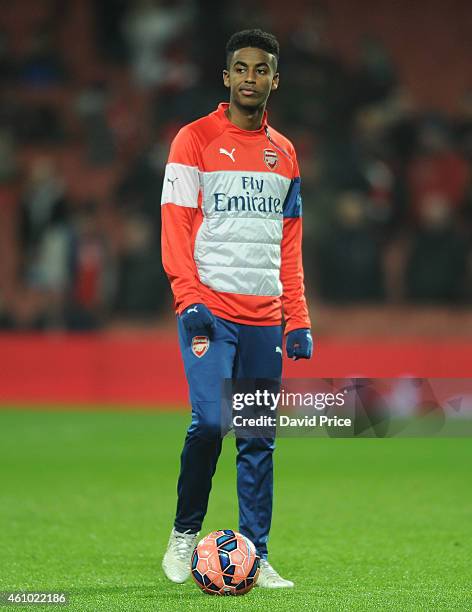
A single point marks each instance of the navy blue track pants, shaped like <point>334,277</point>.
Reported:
<point>234,351</point>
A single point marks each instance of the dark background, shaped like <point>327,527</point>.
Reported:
<point>376,96</point>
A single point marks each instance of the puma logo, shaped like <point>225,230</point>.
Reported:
<point>172,181</point>
<point>278,350</point>
<point>230,155</point>
<point>194,309</point>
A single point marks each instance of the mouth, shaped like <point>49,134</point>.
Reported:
<point>247,91</point>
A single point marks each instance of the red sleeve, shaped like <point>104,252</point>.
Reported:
<point>180,212</point>
<point>291,271</point>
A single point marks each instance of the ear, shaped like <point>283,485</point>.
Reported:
<point>226,78</point>
<point>275,82</point>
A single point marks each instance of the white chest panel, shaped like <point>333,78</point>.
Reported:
<point>237,248</point>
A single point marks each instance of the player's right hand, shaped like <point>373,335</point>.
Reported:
<point>197,317</point>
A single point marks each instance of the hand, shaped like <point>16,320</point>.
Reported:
<point>197,317</point>
<point>299,344</point>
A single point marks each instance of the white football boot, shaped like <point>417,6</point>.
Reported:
<point>270,579</point>
<point>176,561</point>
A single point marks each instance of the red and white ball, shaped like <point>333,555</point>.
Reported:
<point>225,563</point>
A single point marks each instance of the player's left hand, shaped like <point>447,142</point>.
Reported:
<point>299,344</point>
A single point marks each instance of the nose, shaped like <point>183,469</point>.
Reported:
<point>250,76</point>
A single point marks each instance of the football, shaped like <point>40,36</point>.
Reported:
<point>225,563</point>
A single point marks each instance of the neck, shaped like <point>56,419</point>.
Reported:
<point>244,118</point>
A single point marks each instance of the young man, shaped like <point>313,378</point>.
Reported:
<point>231,245</point>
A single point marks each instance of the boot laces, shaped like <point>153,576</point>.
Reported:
<point>268,569</point>
<point>182,544</point>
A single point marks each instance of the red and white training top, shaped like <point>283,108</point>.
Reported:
<point>231,223</point>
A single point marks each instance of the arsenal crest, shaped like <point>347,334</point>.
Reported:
<point>270,159</point>
<point>200,345</point>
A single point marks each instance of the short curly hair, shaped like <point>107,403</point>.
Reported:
<point>252,38</point>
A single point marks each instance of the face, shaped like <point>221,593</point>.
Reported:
<point>251,77</point>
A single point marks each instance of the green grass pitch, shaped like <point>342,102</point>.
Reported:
<point>87,500</point>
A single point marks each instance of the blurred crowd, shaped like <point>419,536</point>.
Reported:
<point>92,95</point>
